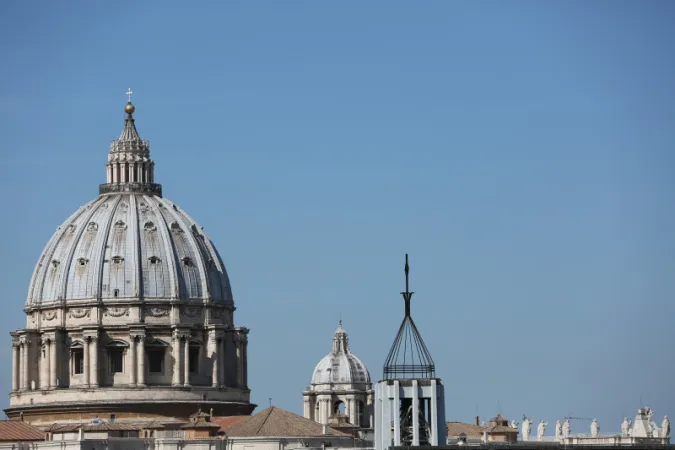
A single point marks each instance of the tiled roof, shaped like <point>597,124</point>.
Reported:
<point>198,425</point>
<point>468,429</point>
<point>67,428</point>
<point>500,429</point>
<point>275,421</point>
<point>226,422</point>
<point>17,431</point>
<point>471,430</point>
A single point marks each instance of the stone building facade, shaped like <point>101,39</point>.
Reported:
<point>130,313</point>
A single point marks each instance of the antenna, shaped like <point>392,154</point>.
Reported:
<point>407,295</point>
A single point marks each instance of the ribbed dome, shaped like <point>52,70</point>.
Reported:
<point>340,366</point>
<point>129,243</point>
<point>129,246</point>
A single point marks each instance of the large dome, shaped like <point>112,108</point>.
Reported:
<point>340,366</point>
<point>129,246</point>
<point>129,313</point>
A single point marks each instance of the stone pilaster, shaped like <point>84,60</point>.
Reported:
<point>47,370</point>
<point>222,357</point>
<point>54,361</point>
<point>240,359</point>
<point>85,351</point>
<point>186,360</point>
<point>175,350</point>
<point>93,371</point>
<point>213,350</point>
<point>141,360</point>
<point>132,357</point>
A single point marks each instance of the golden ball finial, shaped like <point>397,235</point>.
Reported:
<point>129,108</point>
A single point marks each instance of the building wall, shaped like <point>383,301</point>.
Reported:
<point>283,443</point>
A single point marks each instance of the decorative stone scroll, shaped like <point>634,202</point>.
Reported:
<point>191,311</point>
<point>49,315</point>
<point>79,313</point>
<point>157,311</point>
<point>116,312</point>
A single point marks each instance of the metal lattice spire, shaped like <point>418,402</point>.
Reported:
<point>408,356</point>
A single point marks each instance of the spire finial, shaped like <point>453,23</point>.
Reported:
<point>407,295</point>
<point>129,109</point>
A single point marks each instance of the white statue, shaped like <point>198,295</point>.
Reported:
<point>665,428</point>
<point>625,427</point>
<point>527,428</point>
<point>558,429</point>
<point>541,429</point>
<point>595,428</point>
<point>567,428</point>
<point>514,424</point>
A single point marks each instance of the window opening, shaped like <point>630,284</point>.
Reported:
<point>156,360</point>
<point>193,361</point>
<point>116,360</point>
<point>77,358</point>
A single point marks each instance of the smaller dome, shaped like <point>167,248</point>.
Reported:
<point>340,366</point>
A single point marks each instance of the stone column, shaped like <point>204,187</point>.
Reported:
<point>54,364</point>
<point>176,350</point>
<point>16,354</point>
<point>186,361</point>
<point>132,357</point>
<point>93,373</point>
<point>44,382</point>
<point>24,365</point>
<point>85,352</point>
<point>141,361</point>
<point>215,376</point>
<point>240,356</point>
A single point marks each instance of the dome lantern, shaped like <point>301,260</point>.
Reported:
<point>129,167</point>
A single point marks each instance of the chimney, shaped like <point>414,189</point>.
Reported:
<point>477,421</point>
<point>325,429</point>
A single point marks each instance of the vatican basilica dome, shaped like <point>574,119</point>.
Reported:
<point>129,310</point>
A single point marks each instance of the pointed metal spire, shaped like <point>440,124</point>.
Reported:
<point>408,356</point>
<point>407,295</point>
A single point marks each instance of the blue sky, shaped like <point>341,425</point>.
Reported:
<point>522,152</point>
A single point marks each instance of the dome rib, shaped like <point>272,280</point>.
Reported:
<point>168,244</point>
<point>50,252</point>
<point>135,225</point>
<point>60,293</point>
<point>101,267</point>
<point>197,256</point>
